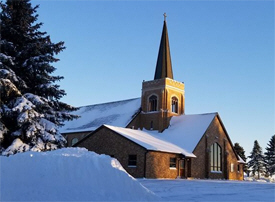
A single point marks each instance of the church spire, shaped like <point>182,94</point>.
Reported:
<point>164,65</point>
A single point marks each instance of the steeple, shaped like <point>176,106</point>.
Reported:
<point>162,97</point>
<point>164,65</point>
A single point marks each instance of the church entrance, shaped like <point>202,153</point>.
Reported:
<point>181,168</point>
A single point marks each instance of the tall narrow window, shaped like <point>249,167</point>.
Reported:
<point>216,157</point>
<point>174,105</point>
<point>153,101</point>
<point>232,167</point>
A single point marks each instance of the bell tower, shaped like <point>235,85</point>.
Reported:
<point>162,97</point>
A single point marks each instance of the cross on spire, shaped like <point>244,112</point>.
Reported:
<point>164,16</point>
<point>164,64</point>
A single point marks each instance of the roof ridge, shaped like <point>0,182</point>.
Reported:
<point>201,114</point>
<point>110,102</point>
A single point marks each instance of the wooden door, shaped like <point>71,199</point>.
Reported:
<point>181,168</point>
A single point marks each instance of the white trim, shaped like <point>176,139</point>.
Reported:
<point>216,171</point>
<point>174,95</point>
<point>172,168</point>
<point>152,112</point>
<point>162,87</point>
<point>232,167</point>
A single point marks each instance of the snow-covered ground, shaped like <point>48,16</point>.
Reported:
<point>211,190</point>
<point>75,174</point>
<point>71,174</point>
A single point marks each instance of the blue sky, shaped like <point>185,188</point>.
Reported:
<point>222,50</point>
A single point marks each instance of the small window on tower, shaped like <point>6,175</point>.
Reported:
<point>153,101</point>
<point>174,105</point>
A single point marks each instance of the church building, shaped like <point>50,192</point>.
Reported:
<point>152,137</point>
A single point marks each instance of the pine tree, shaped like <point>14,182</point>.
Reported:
<point>270,156</point>
<point>240,151</point>
<point>256,162</point>
<point>31,116</point>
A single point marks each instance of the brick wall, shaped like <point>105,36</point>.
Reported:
<point>164,89</point>
<point>158,165</point>
<point>105,141</point>
<point>70,136</point>
<point>201,164</point>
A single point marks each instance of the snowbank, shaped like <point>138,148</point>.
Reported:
<point>211,190</point>
<point>262,179</point>
<point>70,174</point>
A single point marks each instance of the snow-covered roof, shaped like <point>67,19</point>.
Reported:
<point>118,113</point>
<point>241,160</point>
<point>186,131</point>
<point>150,140</point>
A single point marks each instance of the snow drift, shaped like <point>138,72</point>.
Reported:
<point>69,174</point>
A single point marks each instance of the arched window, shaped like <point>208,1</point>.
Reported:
<point>216,157</point>
<point>74,141</point>
<point>174,105</point>
<point>153,101</point>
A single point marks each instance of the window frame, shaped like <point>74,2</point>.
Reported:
<point>232,167</point>
<point>132,160</point>
<point>173,163</point>
<point>215,158</point>
<point>73,141</point>
<point>153,103</point>
<point>175,105</point>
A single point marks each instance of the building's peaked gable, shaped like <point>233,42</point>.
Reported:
<point>164,64</point>
<point>187,130</point>
<point>216,114</point>
<point>118,113</point>
<point>230,142</point>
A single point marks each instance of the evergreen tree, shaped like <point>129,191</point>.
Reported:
<point>240,151</point>
<point>256,162</point>
<point>31,115</point>
<point>270,156</point>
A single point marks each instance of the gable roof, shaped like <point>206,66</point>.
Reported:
<point>182,136</point>
<point>149,141</point>
<point>118,113</point>
<point>187,130</point>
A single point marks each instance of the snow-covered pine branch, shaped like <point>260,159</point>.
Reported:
<point>30,108</point>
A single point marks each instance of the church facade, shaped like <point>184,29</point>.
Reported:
<point>153,137</point>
